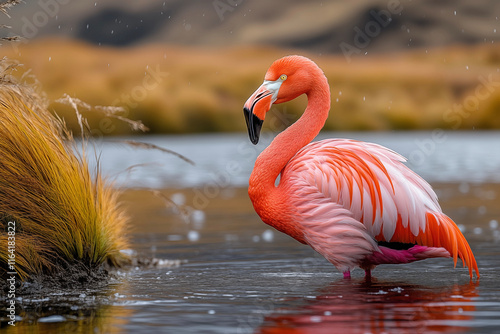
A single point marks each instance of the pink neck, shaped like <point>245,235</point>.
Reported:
<point>274,158</point>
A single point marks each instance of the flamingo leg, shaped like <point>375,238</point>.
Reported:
<point>347,274</point>
<point>368,273</point>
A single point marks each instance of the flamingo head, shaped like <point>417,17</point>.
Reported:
<point>286,79</point>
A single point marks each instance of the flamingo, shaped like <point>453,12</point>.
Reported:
<point>355,203</point>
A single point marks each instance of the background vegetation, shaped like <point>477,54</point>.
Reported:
<point>200,89</point>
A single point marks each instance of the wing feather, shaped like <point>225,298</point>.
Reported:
<point>372,183</point>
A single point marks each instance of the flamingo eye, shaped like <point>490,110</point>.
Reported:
<point>283,77</point>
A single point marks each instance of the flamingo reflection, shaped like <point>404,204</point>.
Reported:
<point>372,306</point>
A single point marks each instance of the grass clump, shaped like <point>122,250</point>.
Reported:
<point>65,215</point>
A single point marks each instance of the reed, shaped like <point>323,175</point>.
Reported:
<point>65,215</point>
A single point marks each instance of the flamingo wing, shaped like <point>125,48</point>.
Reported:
<point>374,188</point>
<point>331,229</point>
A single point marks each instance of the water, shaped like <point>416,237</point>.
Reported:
<point>228,159</point>
<point>240,276</point>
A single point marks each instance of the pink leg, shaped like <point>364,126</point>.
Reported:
<point>368,273</point>
<point>347,274</point>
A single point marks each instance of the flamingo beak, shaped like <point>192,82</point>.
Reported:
<point>256,107</point>
<point>254,125</point>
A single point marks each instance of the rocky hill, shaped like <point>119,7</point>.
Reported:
<point>351,27</point>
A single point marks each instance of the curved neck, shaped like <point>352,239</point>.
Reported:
<point>274,158</point>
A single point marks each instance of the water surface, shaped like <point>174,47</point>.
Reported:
<point>228,159</point>
<point>240,276</point>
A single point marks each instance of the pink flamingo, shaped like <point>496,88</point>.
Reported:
<point>353,202</point>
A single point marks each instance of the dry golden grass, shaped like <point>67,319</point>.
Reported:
<point>64,214</point>
<point>203,89</point>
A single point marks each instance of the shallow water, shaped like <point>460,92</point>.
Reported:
<point>240,276</point>
<point>227,160</point>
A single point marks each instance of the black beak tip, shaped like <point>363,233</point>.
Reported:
<point>254,125</point>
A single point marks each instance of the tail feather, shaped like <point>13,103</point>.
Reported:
<point>440,231</point>
<point>452,240</point>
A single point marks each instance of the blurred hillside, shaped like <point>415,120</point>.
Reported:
<point>202,89</point>
<point>316,26</point>
<point>188,66</point>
